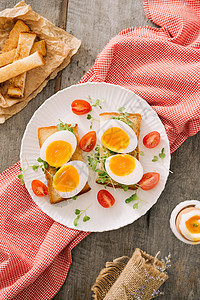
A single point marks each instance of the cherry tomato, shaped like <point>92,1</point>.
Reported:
<point>105,198</point>
<point>152,139</point>
<point>80,107</point>
<point>39,188</point>
<point>88,141</point>
<point>149,180</point>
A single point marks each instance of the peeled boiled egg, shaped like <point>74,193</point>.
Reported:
<point>117,136</point>
<point>58,148</point>
<point>188,223</point>
<point>124,168</point>
<point>71,178</point>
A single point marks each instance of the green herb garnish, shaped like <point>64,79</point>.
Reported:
<point>74,197</point>
<point>65,126</point>
<point>195,225</point>
<point>121,109</point>
<point>79,213</point>
<point>89,117</point>
<point>141,153</point>
<point>94,159</point>
<point>125,187</point>
<point>23,170</point>
<point>134,197</point>
<point>124,116</point>
<point>98,102</point>
<point>160,158</point>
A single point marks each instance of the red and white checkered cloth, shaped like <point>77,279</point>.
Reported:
<point>162,66</point>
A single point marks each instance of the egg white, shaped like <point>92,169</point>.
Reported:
<point>183,228</point>
<point>129,179</point>
<point>83,172</point>
<point>63,135</point>
<point>120,124</point>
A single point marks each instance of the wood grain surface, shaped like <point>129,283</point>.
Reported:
<point>95,22</point>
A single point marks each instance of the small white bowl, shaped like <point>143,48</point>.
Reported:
<point>174,215</point>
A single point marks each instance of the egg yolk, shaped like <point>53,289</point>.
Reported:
<point>58,153</point>
<point>193,224</point>
<point>122,165</point>
<point>115,139</point>
<point>66,179</point>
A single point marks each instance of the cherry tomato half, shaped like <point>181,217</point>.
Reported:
<point>88,141</point>
<point>39,188</point>
<point>149,180</point>
<point>80,107</point>
<point>105,198</point>
<point>152,139</point>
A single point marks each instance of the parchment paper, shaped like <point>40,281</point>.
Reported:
<point>60,45</point>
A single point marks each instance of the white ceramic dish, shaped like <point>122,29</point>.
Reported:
<point>173,217</point>
<point>59,107</point>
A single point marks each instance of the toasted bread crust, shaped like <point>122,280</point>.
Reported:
<point>20,66</point>
<point>136,120</point>
<point>39,46</point>
<point>25,43</point>
<point>43,134</point>
<point>12,40</point>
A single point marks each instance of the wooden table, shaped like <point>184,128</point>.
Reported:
<point>95,22</point>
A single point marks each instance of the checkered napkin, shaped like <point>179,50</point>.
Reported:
<point>162,66</point>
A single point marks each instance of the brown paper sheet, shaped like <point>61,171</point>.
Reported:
<point>60,45</point>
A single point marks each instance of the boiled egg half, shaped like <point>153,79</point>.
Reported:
<point>124,168</point>
<point>117,136</point>
<point>58,148</point>
<point>71,178</point>
<point>188,223</point>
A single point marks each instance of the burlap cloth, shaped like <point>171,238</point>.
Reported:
<point>138,277</point>
<point>60,48</point>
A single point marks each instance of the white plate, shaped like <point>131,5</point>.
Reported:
<point>59,107</point>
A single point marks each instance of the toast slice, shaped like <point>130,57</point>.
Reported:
<point>12,41</point>
<point>8,57</point>
<point>136,121</point>
<point>43,134</point>
<point>39,46</point>
<point>22,65</point>
<point>17,84</point>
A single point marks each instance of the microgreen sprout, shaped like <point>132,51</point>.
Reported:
<point>124,187</point>
<point>44,165</point>
<point>141,153</point>
<point>74,198</point>
<point>65,126</point>
<point>160,158</point>
<point>94,159</point>
<point>96,103</point>
<point>123,116</point>
<point>195,225</point>
<point>89,117</point>
<point>79,213</point>
<point>134,197</point>
<point>23,170</point>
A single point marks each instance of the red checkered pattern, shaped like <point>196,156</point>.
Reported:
<point>159,64</point>
<point>35,251</point>
<point>162,66</point>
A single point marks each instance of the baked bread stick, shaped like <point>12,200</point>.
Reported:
<point>20,66</point>
<point>12,40</point>
<point>17,84</point>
